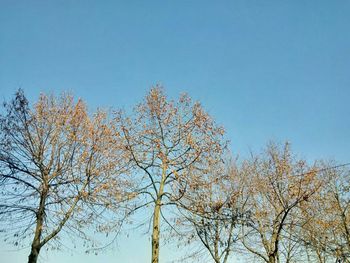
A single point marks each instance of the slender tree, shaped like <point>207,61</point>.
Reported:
<point>326,234</point>
<point>279,183</point>
<point>212,215</point>
<point>168,142</point>
<point>54,161</point>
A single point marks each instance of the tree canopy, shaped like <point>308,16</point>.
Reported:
<point>65,170</point>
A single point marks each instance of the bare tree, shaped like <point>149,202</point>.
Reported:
<point>54,162</point>
<point>212,213</point>
<point>326,234</point>
<point>279,183</point>
<point>168,142</point>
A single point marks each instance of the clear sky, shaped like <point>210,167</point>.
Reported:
<point>264,69</point>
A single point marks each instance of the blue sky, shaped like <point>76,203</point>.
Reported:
<point>264,69</point>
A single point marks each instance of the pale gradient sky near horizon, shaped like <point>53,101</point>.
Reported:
<point>264,69</point>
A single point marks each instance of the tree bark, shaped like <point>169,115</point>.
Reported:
<point>36,244</point>
<point>272,259</point>
<point>156,216</point>
<point>34,254</point>
<point>155,233</point>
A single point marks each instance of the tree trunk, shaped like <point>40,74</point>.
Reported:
<point>216,244</point>
<point>36,245</point>
<point>272,259</point>
<point>34,254</point>
<point>156,215</point>
<point>155,233</point>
